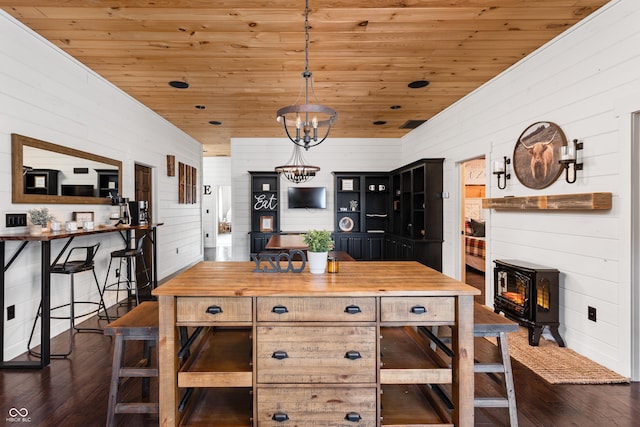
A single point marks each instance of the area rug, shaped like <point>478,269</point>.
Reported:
<point>558,365</point>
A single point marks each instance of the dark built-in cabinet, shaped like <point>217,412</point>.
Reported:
<point>107,182</point>
<point>41,181</point>
<point>416,219</point>
<point>394,216</point>
<point>265,212</point>
<point>362,207</point>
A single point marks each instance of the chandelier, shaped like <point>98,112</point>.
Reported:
<point>307,118</point>
<point>296,170</point>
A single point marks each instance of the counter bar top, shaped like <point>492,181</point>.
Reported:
<point>362,278</point>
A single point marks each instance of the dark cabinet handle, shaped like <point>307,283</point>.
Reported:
<point>418,309</point>
<point>280,355</point>
<point>353,355</point>
<point>352,309</point>
<point>279,309</point>
<point>354,417</point>
<point>214,309</point>
<point>279,417</point>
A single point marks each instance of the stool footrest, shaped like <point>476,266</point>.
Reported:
<point>137,408</point>
<point>489,367</point>
<point>138,372</point>
<point>489,402</point>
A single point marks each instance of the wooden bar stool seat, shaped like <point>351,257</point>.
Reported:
<point>139,324</point>
<point>486,323</point>
<point>490,324</point>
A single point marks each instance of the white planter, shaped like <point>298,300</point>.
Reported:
<point>317,262</point>
<point>35,230</point>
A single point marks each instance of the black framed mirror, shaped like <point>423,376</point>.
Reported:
<point>42,172</point>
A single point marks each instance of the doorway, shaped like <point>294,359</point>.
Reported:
<point>473,225</point>
<point>144,191</point>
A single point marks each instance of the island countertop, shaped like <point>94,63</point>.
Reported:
<point>363,278</point>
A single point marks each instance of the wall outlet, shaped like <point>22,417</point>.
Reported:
<point>11,312</point>
<point>591,313</point>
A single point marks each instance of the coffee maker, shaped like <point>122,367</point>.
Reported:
<point>139,212</point>
<point>123,206</point>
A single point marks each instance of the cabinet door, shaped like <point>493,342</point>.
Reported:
<point>406,250</point>
<point>391,248</point>
<point>375,248</point>
<point>356,247</point>
<point>259,241</point>
<point>353,244</point>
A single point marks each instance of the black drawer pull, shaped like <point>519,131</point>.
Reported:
<point>418,309</point>
<point>279,417</point>
<point>279,309</point>
<point>352,309</point>
<point>353,355</point>
<point>214,309</point>
<point>354,417</point>
<point>280,355</point>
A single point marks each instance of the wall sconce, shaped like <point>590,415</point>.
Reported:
<point>568,157</point>
<point>499,169</point>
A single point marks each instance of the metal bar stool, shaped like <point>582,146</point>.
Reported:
<point>128,257</point>
<point>72,265</point>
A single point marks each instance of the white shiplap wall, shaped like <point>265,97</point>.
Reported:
<point>216,174</point>
<point>47,95</point>
<point>576,81</point>
<point>261,154</point>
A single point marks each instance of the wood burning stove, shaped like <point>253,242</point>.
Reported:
<point>528,294</point>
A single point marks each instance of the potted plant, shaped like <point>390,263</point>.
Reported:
<point>40,219</point>
<point>319,243</point>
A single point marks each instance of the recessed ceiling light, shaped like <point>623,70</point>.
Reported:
<point>178,84</point>
<point>379,122</point>
<point>395,107</point>
<point>418,84</point>
<point>215,123</point>
<point>200,107</point>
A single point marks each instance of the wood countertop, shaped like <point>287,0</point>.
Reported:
<point>63,234</point>
<point>362,278</point>
<point>286,241</point>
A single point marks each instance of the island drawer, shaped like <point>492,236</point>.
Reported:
<point>417,309</point>
<point>316,354</point>
<point>316,406</point>
<point>207,310</point>
<point>325,309</point>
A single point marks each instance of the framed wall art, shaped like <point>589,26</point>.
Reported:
<point>536,155</point>
<point>266,224</point>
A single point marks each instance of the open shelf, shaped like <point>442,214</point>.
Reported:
<point>219,407</point>
<point>223,359</point>
<point>584,201</point>
<point>410,405</point>
<point>406,361</point>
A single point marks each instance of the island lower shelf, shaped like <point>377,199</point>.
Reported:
<point>219,371</point>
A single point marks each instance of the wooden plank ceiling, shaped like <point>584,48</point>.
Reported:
<point>243,59</point>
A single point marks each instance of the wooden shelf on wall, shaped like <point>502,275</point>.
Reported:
<point>570,202</point>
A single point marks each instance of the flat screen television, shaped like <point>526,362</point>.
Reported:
<point>307,197</point>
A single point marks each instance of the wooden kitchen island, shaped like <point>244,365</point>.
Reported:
<point>287,349</point>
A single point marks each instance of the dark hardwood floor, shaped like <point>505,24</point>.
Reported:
<point>73,392</point>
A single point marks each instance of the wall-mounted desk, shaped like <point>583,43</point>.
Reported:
<point>46,264</point>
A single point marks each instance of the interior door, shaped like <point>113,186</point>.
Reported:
<point>143,191</point>
<point>473,191</point>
